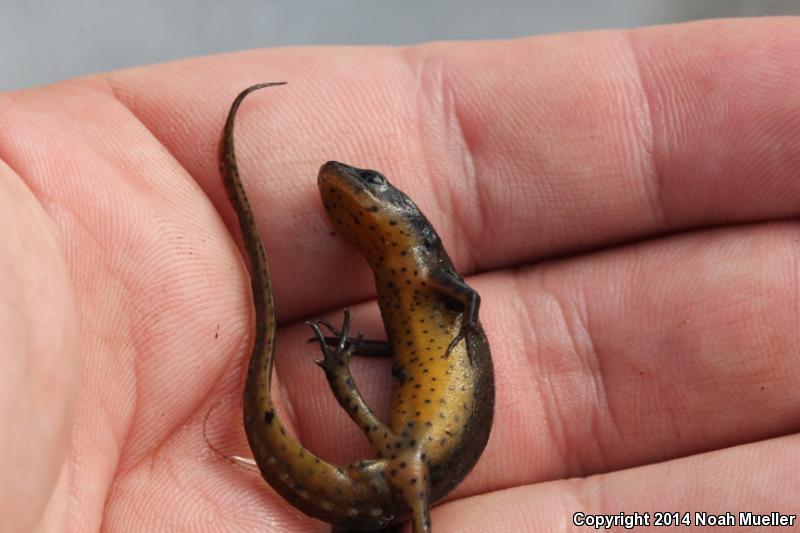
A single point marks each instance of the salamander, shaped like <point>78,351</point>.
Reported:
<point>443,385</point>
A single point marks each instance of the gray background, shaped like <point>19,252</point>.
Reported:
<point>42,41</point>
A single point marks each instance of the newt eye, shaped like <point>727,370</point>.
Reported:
<point>372,177</point>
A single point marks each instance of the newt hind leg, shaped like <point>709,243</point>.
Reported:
<point>364,347</point>
<point>406,470</point>
<point>336,364</point>
<point>409,477</point>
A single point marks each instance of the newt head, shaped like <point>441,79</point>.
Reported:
<point>372,214</point>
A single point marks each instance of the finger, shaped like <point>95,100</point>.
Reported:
<point>618,359</point>
<point>577,141</point>
<point>39,361</point>
<point>760,478</point>
<point>645,353</point>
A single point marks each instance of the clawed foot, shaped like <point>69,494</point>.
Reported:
<point>465,334</point>
<point>342,352</point>
<point>335,333</point>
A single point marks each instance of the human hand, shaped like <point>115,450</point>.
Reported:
<point>622,201</point>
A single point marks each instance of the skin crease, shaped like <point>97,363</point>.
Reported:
<point>645,181</point>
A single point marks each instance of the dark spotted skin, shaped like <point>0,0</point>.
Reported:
<point>443,394</point>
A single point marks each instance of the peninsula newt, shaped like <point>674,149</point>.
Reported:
<point>443,389</point>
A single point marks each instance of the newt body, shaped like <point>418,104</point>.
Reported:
<point>443,396</point>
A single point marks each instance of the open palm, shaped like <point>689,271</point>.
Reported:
<point>623,202</point>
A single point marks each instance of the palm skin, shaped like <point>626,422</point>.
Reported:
<point>625,203</point>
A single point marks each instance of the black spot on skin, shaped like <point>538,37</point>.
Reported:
<point>400,373</point>
<point>269,416</point>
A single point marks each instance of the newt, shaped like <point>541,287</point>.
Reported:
<point>443,387</point>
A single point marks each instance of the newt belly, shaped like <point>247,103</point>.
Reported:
<point>443,392</point>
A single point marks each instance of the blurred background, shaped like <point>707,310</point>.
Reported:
<point>43,41</point>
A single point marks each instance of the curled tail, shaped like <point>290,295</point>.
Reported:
<point>355,495</point>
